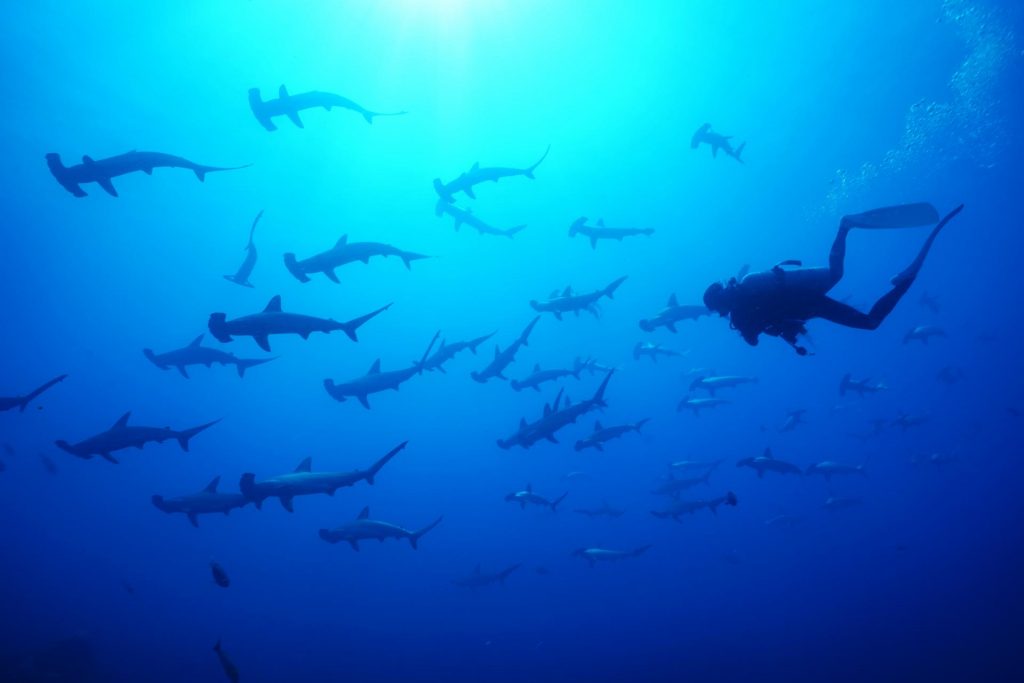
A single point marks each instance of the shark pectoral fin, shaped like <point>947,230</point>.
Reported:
<point>294,116</point>
<point>286,502</point>
<point>108,457</point>
<point>354,543</point>
<point>107,185</point>
<point>262,341</point>
<point>305,335</point>
<point>362,399</point>
<point>593,241</point>
<point>332,276</point>
<point>671,327</point>
<point>469,192</point>
<point>193,519</point>
<point>181,369</point>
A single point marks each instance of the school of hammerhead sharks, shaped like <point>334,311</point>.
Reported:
<point>776,303</point>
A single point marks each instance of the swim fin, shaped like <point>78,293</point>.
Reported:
<point>901,216</point>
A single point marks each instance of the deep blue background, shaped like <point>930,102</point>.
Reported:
<point>845,107</point>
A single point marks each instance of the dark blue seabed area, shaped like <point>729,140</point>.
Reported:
<point>842,106</point>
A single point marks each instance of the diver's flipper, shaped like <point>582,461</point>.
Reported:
<point>911,271</point>
<point>901,216</point>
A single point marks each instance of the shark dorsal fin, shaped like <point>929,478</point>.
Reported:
<point>342,241</point>
<point>547,408</point>
<point>212,486</point>
<point>529,488</point>
<point>123,420</point>
<point>274,306</point>
<point>597,426</point>
<point>476,166</point>
<point>375,368</point>
<point>86,159</point>
<point>567,291</point>
<point>768,454</point>
<point>364,513</point>
<point>672,300</point>
<point>305,466</point>
<point>600,222</point>
<point>194,344</point>
<point>282,92</point>
<point>536,367</point>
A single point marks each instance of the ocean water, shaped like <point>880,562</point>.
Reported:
<point>843,107</point>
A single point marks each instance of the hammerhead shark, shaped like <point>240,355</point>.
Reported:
<point>101,171</point>
<point>305,482</point>
<point>767,462</point>
<point>502,359</point>
<point>341,253</point>
<point>688,507</point>
<point>480,174</point>
<point>528,497</point>
<point>600,232</point>
<point>362,528</point>
<point>672,314</point>
<point>207,501</point>
<point>272,320</point>
<point>447,351</point>
<point>538,376</point>
<point>375,380</point>
<point>21,402</point>
<point>197,354</point>
<point>478,579</point>
<point>241,276</point>
<point>602,434</point>
<point>570,302</point>
<point>467,217</point>
<point>555,417</point>
<point>717,142</point>
<point>290,106</point>
<point>122,435</point>
<point>595,555</point>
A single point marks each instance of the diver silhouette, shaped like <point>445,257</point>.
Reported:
<point>778,302</point>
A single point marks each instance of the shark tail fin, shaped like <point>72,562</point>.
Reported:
<point>640,423</point>
<point>739,152</point>
<point>599,394</point>
<point>556,501</point>
<point>201,171</point>
<point>529,171</point>
<point>185,436</point>
<point>408,257</point>
<point>609,291</point>
<point>375,467</point>
<point>417,535</point>
<point>351,326</point>
<point>32,395</point>
<point>511,232</point>
<point>244,364</point>
<point>504,575</point>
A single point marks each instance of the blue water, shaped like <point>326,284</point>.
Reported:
<point>843,106</point>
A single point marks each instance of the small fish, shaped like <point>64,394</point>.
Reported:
<point>230,670</point>
<point>220,577</point>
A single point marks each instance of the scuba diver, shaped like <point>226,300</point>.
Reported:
<point>778,302</point>
<point>717,142</point>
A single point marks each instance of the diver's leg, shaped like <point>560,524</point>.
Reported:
<point>843,314</point>
<point>837,256</point>
<point>911,271</point>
